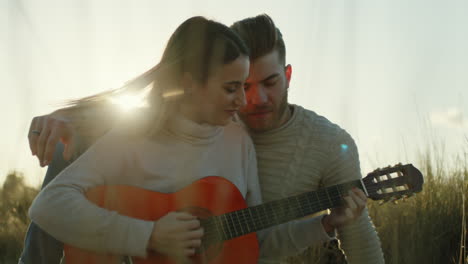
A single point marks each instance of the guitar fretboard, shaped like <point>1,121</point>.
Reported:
<point>252,219</point>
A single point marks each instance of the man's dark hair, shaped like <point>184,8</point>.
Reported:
<point>261,36</point>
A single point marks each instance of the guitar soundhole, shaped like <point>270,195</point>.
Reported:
<point>211,244</point>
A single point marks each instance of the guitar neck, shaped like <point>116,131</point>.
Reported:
<point>252,219</point>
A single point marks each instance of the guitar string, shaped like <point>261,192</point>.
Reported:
<point>298,209</point>
<point>244,221</point>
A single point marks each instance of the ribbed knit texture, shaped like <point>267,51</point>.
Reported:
<point>304,154</point>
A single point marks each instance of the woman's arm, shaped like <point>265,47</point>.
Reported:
<point>62,209</point>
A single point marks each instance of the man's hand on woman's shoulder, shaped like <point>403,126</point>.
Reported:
<point>44,134</point>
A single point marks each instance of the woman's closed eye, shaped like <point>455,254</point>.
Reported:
<point>231,88</point>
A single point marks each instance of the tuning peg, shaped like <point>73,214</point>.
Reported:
<point>385,200</point>
<point>393,199</point>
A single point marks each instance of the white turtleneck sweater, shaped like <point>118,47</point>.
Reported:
<point>174,158</point>
<point>306,153</point>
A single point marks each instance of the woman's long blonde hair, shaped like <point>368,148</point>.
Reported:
<point>196,47</point>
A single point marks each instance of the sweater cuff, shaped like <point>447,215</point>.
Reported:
<point>310,231</point>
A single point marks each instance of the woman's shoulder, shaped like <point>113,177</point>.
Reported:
<point>236,132</point>
<point>236,128</point>
<point>118,138</point>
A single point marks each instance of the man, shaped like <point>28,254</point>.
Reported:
<point>297,150</point>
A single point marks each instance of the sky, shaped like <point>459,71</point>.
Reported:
<point>392,73</point>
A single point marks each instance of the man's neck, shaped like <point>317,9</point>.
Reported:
<point>287,114</point>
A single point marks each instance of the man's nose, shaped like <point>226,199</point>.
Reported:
<point>257,95</point>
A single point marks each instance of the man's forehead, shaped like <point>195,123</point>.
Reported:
<point>263,67</point>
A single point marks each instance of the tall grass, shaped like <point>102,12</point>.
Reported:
<point>15,200</point>
<point>430,227</point>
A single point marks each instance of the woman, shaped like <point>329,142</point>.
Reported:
<point>185,135</point>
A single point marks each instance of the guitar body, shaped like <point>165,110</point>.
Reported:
<point>206,197</point>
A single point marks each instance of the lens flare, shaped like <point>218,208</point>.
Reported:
<point>129,102</point>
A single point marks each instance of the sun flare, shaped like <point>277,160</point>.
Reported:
<point>129,102</point>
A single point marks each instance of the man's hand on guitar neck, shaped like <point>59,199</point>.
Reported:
<point>177,235</point>
<point>354,205</point>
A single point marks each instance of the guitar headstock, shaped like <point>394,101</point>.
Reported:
<point>393,182</point>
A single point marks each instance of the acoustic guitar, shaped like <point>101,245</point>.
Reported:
<point>229,225</point>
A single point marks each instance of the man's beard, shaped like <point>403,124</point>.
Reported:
<point>278,113</point>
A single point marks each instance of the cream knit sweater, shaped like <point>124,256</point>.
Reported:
<point>304,154</point>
